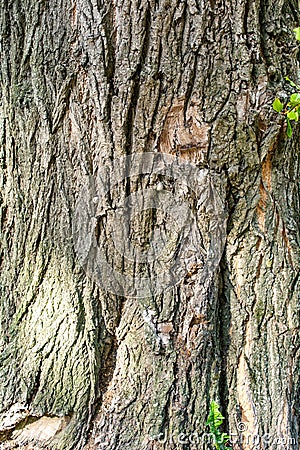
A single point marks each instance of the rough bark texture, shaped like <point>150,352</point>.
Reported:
<point>84,83</point>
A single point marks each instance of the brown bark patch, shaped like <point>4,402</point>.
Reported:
<point>35,434</point>
<point>42,430</point>
<point>184,133</point>
<point>245,398</point>
<point>287,244</point>
<point>265,187</point>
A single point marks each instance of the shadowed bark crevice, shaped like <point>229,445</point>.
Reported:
<point>192,82</point>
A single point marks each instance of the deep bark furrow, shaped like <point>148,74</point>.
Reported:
<point>86,83</point>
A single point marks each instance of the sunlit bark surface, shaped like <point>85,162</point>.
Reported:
<point>85,84</point>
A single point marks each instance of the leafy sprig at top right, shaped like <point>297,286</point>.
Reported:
<point>291,110</point>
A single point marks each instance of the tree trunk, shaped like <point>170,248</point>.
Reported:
<point>149,224</point>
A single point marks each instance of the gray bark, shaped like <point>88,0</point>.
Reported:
<point>87,83</point>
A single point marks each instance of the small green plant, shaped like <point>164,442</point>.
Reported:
<point>214,421</point>
<point>291,110</point>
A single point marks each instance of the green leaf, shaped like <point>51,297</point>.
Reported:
<point>214,421</point>
<point>295,98</point>
<point>291,82</point>
<point>297,33</point>
<point>289,130</point>
<point>225,437</point>
<point>277,105</point>
<point>293,115</point>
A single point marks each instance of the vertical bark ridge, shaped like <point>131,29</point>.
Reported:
<point>92,81</point>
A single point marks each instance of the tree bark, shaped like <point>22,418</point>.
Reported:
<point>90,360</point>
